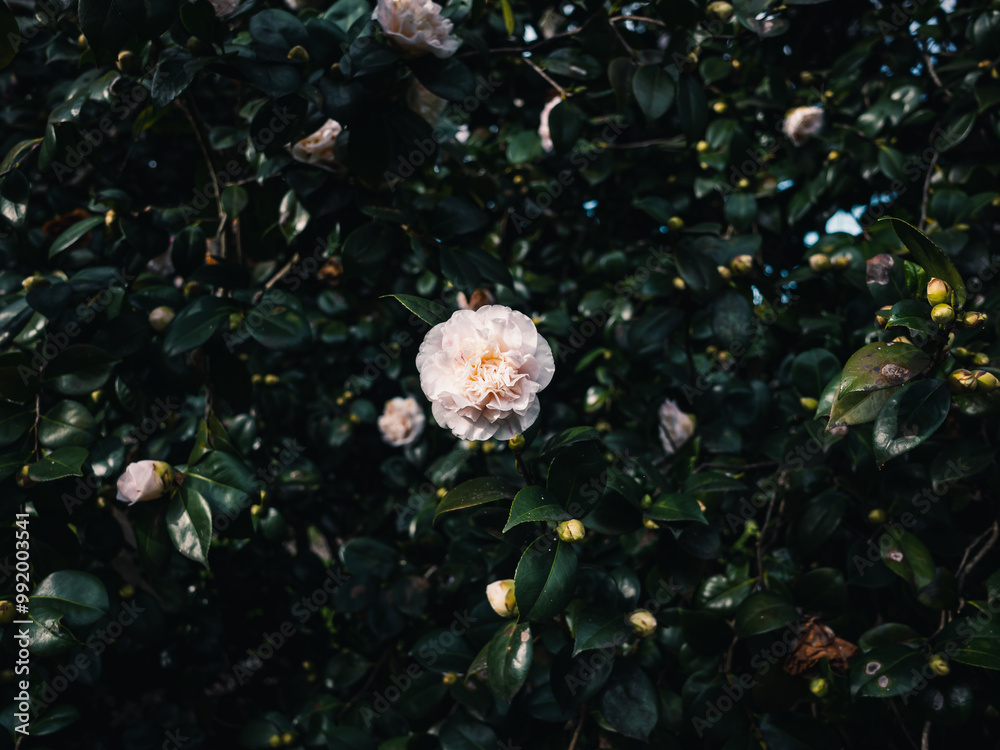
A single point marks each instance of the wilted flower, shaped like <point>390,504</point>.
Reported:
<point>402,422</point>
<point>479,298</point>
<point>317,149</point>
<point>803,122</point>
<point>424,103</point>
<point>416,26</point>
<point>676,427</point>
<point>224,8</point>
<point>145,480</point>
<point>543,127</point>
<point>482,370</point>
<point>501,597</point>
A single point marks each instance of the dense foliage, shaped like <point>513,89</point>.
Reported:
<point>199,269</point>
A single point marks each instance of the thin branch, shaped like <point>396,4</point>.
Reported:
<point>543,74</point>
<point>364,688</point>
<point>925,738</point>
<point>642,19</point>
<point>927,186</point>
<point>964,569</point>
<point>579,727</point>
<point>631,52</point>
<point>188,107</point>
<point>644,144</point>
<point>529,48</point>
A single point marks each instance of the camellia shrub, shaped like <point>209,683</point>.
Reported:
<point>502,375</point>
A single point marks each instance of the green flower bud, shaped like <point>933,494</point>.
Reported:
<point>675,223</point>
<point>819,687</point>
<point>877,517</point>
<point>938,291</point>
<point>980,359</point>
<point>882,316</point>
<point>570,531</point>
<point>720,11</point>
<point>6,612</point>
<point>516,443</point>
<point>298,52</point>
<point>809,404</point>
<point>819,263</point>
<point>962,381</point>
<point>449,678</point>
<point>973,319</point>
<point>501,597</point>
<point>741,265</point>
<point>642,622</point>
<point>986,381</point>
<point>943,314</point>
<point>939,665</point>
<point>840,261</point>
<point>34,282</point>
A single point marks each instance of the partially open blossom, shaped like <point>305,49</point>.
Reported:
<point>570,531</point>
<point>145,480</point>
<point>501,597</point>
<point>424,103</point>
<point>482,371</point>
<point>676,427</point>
<point>317,149</point>
<point>543,127</point>
<point>803,122</point>
<point>224,8</point>
<point>416,27</point>
<point>402,422</point>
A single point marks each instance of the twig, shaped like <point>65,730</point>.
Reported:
<point>631,52</point>
<point>927,186</point>
<point>523,469</point>
<point>188,107</point>
<point>925,738</point>
<point>364,688</point>
<point>644,144</point>
<point>528,48</point>
<point>284,270</point>
<point>642,19</point>
<point>38,419</point>
<point>543,74</point>
<point>964,569</point>
<point>579,727</point>
<point>902,723</point>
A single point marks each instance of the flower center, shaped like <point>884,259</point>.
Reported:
<point>488,372</point>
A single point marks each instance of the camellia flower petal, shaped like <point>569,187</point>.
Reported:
<point>145,480</point>
<point>317,148</point>
<point>429,106</point>
<point>803,122</point>
<point>501,597</point>
<point>482,370</point>
<point>416,27</point>
<point>544,131</point>
<point>402,421</point>
<point>676,427</point>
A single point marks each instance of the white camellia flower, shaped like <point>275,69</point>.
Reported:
<point>402,422</point>
<point>416,27</point>
<point>543,128</point>
<point>501,597</point>
<point>803,122</point>
<point>424,103</point>
<point>482,370</point>
<point>145,480</point>
<point>676,427</point>
<point>317,149</point>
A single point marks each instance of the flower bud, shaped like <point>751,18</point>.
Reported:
<point>741,265</point>
<point>939,666</point>
<point>646,503</point>
<point>199,47</point>
<point>882,316</point>
<point>980,359</point>
<point>702,146</point>
<point>962,381</point>
<point>901,340</point>
<point>570,531</point>
<point>298,52</point>
<point>34,282</point>
<point>833,156</point>
<point>271,380</point>
<point>287,738</point>
<point>724,272</point>
<point>819,687</point>
<point>160,318</point>
<point>127,591</point>
<point>678,283</point>
<point>943,314</point>
<point>516,443</point>
<point>145,480</point>
<point>128,62</point>
<point>840,261</point>
<point>235,319</point>
<point>642,622</point>
<point>649,523</point>
<point>193,289</point>
<point>6,612</point>
<point>877,517</point>
<point>938,291</point>
<point>449,678</point>
<point>22,479</point>
<point>973,319</point>
<point>274,740</point>
<point>819,262</point>
<point>81,42</point>
<point>809,404</point>
<point>110,218</point>
<point>501,597</point>
<point>986,381</point>
<point>720,107</point>
<point>961,352</point>
<point>720,11</point>
<point>675,223</point>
